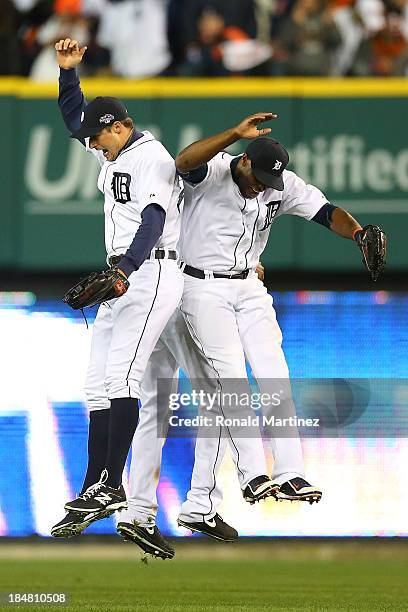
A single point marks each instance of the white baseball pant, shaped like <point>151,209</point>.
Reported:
<point>175,348</point>
<point>126,331</point>
<point>230,320</point>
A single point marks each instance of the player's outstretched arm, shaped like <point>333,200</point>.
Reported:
<point>371,240</point>
<point>71,99</point>
<point>202,151</point>
<point>343,224</point>
<point>69,53</point>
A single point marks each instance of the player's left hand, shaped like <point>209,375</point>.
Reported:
<point>372,242</point>
<point>248,127</point>
<point>260,270</point>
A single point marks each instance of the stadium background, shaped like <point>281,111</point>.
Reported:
<point>347,136</point>
<point>344,137</point>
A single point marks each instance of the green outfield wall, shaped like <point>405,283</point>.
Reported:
<point>347,137</point>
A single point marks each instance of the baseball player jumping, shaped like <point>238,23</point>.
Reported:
<point>175,348</point>
<point>143,197</point>
<point>141,190</point>
<point>230,206</point>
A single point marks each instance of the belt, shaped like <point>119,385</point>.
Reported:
<point>113,260</point>
<point>201,274</point>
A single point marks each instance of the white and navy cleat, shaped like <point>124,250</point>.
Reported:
<point>298,489</point>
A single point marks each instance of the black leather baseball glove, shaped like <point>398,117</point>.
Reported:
<point>372,242</point>
<point>96,288</point>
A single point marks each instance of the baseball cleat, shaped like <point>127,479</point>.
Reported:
<point>259,488</point>
<point>73,524</point>
<point>99,498</point>
<point>298,489</point>
<point>214,527</point>
<point>149,539</point>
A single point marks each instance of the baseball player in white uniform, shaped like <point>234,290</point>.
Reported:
<point>142,193</point>
<point>230,206</point>
<point>143,197</point>
<point>138,522</point>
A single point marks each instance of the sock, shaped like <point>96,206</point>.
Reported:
<point>97,446</point>
<point>124,415</point>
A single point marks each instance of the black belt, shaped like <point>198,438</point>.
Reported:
<point>158,254</point>
<point>201,274</point>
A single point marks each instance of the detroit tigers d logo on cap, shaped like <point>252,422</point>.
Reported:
<point>268,160</point>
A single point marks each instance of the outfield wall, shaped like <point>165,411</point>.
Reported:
<point>44,421</point>
<point>345,136</point>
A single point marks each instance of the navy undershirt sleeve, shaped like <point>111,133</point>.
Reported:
<point>146,237</point>
<point>195,176</point>
<point>324,215</point>
<point>71,100</point>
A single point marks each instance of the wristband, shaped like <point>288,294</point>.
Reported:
<point>356,231</point>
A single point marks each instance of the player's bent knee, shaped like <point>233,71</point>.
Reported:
<point>95,407</point>
<point>118,389</point>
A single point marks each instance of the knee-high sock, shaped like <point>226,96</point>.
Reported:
<point>124,415</point>
<point>97,446</point>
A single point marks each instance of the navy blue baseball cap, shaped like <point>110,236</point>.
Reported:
<point>268,161</point>
<point>99,114</point>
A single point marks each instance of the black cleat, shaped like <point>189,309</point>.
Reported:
<point>298,489</point>
<point>73,524</point>
<point>149,539</point>
<point>259,488</point>
<point>214,527</point>
<point>99,498</point>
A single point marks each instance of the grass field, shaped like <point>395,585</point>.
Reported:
<point>190,584</point>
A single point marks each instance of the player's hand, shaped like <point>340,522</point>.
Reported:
<point>69,53</point>
<point>248,127</point>
<point>121,272</point>
<point>260,270</point>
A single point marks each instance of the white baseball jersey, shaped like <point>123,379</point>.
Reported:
<point>231,320</point>
<point>222,231</point>
<point>144,173</point>
<point>126,329</point>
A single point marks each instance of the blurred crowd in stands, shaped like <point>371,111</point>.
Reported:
<point>142,38</point>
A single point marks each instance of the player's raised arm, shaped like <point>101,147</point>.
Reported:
<point>202,151</point>
<point>69,53</point>
<point>71,99</point>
